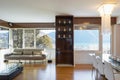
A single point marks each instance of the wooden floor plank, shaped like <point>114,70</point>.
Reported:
<point>51,72</point>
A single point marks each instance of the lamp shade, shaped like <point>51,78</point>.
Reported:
<point>106,8</point>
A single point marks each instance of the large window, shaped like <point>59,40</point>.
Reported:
<point>4,38</point>
<point>29,38</point>
<point>45,38</point>
<point>106,43</point>
<point>34,38</point>
<point>86,39</point>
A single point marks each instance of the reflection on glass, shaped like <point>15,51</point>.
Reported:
<point>69,21</point>
<point>64,29</point>
<point>58,29</point>
<point>69,29</point>
<point>64,36</point>
<point>59,21</point>
<point>69,36</point>
<point>59,36</point>
<point>64,22</point>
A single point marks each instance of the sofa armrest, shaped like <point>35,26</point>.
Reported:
<point>7,55</point>
<point>43,55</point>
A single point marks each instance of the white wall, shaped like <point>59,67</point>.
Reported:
<point>2,53</point>
<point>83,57</point>
<point>50,54</point>
<point>118,20</point>
<point>80,57</point>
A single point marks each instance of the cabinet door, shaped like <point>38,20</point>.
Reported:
<point>64,58</point>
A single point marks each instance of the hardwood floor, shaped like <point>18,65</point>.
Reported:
<point>51,72</point>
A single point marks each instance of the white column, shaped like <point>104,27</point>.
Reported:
<point>10,39</point>
<point>116,41</point>
<point>34,38</point>
<point>118,20</point>
<point>23,38</point>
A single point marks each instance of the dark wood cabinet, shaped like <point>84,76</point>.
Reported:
<point>64,40</point>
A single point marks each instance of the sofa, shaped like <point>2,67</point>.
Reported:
<point>26,54</point>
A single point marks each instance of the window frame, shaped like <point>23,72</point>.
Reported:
<point>100,39</point>
<point>23,44</point>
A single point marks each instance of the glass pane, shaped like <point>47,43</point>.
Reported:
<point>45,38</point>
<point>106,43</point>
<point>17,38</point>
<point>29,38</point>
<point>4,38</point>
<point>86,39</point>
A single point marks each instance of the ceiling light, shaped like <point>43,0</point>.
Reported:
<point>105,11</point>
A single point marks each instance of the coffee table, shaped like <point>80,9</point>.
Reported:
<point>10,71</point>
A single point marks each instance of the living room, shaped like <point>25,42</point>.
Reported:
<point>31,29</point>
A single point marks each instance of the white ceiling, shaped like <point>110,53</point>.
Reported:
<point>45,10</point>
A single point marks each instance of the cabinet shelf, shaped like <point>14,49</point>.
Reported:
<point>67,29</point>
<point>64,36</point>
<point>64,22</point>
